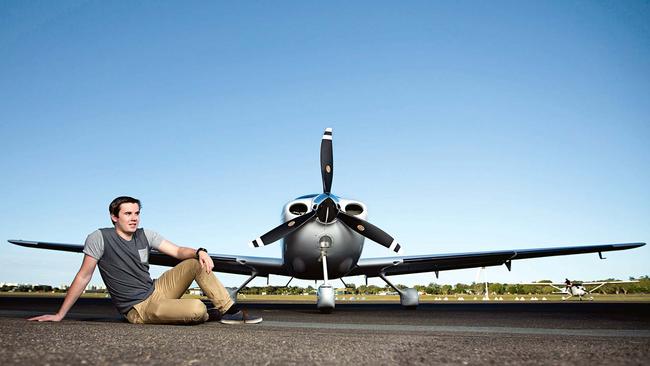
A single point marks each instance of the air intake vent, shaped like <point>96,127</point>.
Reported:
<point>298,208</point>
<point>353,209</point>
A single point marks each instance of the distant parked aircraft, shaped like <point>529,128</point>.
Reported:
<point>576,289</point>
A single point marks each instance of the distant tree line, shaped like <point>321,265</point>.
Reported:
<point>29,288</point>
<point>277,290</point>
<point>44,288</point>
<point>641,287</point>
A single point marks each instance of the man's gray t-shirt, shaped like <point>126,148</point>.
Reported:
<point>124,264</point>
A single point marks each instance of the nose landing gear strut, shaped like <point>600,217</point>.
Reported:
<point>325,295</point>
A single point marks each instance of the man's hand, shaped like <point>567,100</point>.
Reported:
<point>206,262</point>
<point>77,287</point>
<point>47,318</point>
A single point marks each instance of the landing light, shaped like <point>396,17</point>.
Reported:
<point>325,241</point>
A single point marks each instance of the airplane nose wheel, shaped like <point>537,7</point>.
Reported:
<point>325,302</point>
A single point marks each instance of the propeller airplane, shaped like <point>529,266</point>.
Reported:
<point>580,290</point>
<point>323,237</point>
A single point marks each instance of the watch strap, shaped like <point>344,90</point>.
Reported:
<point>196,255</point>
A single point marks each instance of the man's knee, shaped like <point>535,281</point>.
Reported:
<point>198,311</point>
<point>194,310</point>
<point>197,306</point>
<point>191,263</point>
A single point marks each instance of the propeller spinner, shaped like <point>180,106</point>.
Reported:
<point>327,210</point>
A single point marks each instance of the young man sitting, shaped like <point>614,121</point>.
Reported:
<point>122,254</point>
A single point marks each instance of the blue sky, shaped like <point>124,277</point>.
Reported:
<point>464,126</point>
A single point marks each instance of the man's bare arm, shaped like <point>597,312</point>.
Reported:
<point>77,287</point>
<point>183,253</point>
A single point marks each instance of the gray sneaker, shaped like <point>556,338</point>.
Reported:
<point>240,317</point>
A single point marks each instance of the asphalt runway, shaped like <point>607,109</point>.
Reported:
<point>361,334</point>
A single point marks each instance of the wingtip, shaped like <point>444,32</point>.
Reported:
<point>632,245</point>
<point>23,243</point>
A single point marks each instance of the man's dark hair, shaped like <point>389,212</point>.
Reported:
<point>114,207</point>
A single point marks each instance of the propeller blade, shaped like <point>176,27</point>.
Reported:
<point>283,230</point>
<point>370,231</point>
<point>327,160</point>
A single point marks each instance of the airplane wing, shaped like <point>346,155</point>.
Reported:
<point>236,264</point>
<point>607,282</point>
<point>372,267</point>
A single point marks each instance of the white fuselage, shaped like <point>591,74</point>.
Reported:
<point>573,290</point>
<point>577,290</point>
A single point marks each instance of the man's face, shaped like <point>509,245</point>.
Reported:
<point>128,219</point>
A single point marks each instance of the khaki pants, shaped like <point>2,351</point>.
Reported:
<point>165,306</point>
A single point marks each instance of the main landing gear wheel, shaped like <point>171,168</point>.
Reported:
<point>409,298</point>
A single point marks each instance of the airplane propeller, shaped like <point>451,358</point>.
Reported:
<point>327,209</point>
<point>370,231</point>
<point>283,230</point>
<point>327,161</point>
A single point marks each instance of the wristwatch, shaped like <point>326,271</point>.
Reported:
<point>196,255</point>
